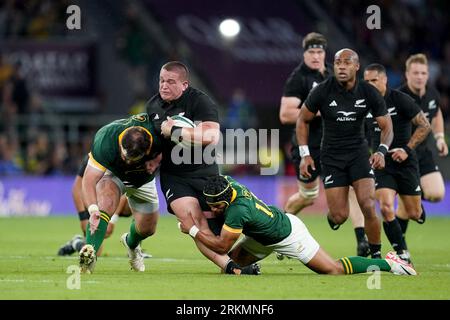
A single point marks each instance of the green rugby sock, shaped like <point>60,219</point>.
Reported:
<point>134,238</point>
<point>97,238</point>
<point>361,265</point>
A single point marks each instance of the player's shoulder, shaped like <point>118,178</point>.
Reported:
<point>398,95</point>
<point>154,102</point>
<point>369,90</point>
<point>432,92</point>
<point>325,86</point>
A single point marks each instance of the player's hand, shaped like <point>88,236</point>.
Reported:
<point>166,127</point>
<point>94,220</point>
<point>152,165</point>
<point>442,147</point>
<point>305,163</point>
<point>377,160</point>
<point>186,224</point>
<point>398,154</point>
<point>109,230</point>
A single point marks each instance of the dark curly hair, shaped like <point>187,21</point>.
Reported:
<point>218,190</point>
<point>136,142</point>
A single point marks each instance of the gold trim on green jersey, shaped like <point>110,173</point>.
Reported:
<point>232,230</point>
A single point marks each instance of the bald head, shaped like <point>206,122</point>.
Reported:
<point>346,64</point>
<point>347,54</point>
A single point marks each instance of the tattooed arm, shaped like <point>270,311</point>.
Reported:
<point>422,131</point>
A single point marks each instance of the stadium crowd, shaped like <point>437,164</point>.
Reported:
<point>44,151</point>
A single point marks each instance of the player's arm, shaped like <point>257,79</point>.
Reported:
<point>302,133</point>
<point>437,126</point>
<point>422,131</point>
<point>419,135</point>
<point>289,110</point>
<point>205,133</point>
<point>220,244</point>
<point>92,175</point>
<point>386,137</point>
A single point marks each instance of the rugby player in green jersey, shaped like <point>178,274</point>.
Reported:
<point>266,229</point>
<point>124,157</point>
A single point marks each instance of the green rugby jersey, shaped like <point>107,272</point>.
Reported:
<point>105,150</point>
<point>251,216</point>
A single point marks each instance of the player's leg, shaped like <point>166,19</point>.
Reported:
<point>316,259</point>
<point>357,219</point>
<point>308,188</point>
<point>322,263</point>
<point>307,193</point>
<point>144,204</point>
<point>362,178</point>
<point>433,186</point>
<point>108,197</point>
<point>391,226</point>
<point>365,194</point>
<point>77,241</point>
<point>189,206</point>
<point>337,200</point>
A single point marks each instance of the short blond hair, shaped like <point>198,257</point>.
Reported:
<point>416,58</point>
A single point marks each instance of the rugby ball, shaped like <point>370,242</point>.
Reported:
<point>182,121</point>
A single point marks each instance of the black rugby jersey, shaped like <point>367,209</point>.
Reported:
<point>402,109</point>
<point>344,112</point>
<point>429,103</point>
<point>299,84</point>
<point>195,105</point>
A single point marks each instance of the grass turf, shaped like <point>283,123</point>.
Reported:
<point>30,268</point>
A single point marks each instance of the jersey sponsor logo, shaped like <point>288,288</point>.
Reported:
<point>327,179</point>
<point>432,104</point>
<point>369,116</point>
<point>391,111</point>
<point>315,84</point>
<point>418,188</point>
<point>156,117</point>
<point>333,103</point>
<point>139,117</point>
<point>371,172</point>
<point>168,195</point>
<point>346,115</point>
<point>358,103</point>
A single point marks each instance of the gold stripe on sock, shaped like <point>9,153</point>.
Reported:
<point>104,216</point>
<point>349,263</point>
<point>344,263</point>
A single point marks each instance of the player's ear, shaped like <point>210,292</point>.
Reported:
<point>185,85</point>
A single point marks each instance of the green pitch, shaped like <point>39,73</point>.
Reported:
<point>30,269</point>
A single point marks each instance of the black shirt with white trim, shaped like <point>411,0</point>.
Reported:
<point>402,109</point>
<point>344,112</point>
<point>194,105</point>
<point>299,84</point>
<point>429,103</point>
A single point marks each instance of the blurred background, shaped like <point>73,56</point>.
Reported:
<point>58,86</point>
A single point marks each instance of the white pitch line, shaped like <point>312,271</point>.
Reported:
<point>43,281</point>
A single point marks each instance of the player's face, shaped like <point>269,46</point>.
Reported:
<point>378,80</point>
<point>314,58</point>
<point>345,66</point>
<point>417,76</point>
<point>171,87</point>
<point>218,208</point>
